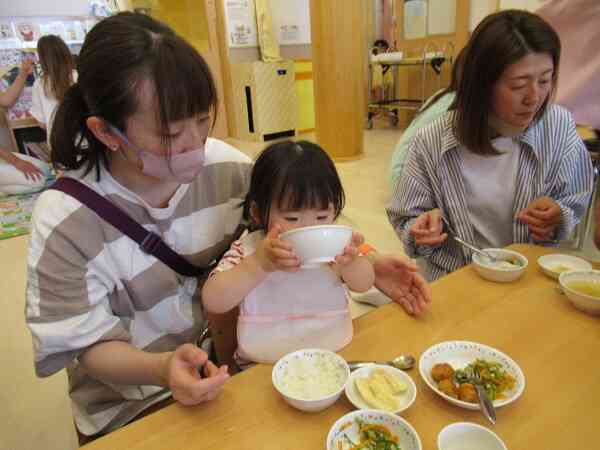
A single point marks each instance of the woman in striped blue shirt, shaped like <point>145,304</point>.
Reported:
<point>504,164</point>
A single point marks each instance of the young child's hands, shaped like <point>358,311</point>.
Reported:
<point>351,250</point>
<point>275,254</point>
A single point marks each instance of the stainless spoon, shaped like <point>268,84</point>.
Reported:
<point>404,362</point>
<point>466,244</point>
<point>486,404</point>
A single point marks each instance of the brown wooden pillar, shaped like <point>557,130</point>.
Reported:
<point>338,33</point>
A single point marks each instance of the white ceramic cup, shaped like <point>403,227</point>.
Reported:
<point>468,436</point>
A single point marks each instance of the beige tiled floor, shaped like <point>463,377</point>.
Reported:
<point>35,412</point>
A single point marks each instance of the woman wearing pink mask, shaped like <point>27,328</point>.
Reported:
<point>504,164</point>
<point>122,243</point>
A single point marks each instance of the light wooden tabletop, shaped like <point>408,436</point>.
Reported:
<point>555,345</point>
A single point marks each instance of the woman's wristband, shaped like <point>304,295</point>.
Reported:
<point>368,252</point>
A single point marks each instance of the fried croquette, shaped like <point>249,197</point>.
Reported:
<point>468,393</point>
<point>441,372</point>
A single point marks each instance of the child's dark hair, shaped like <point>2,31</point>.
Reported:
<point>119,54</point>
<point>293,175</point>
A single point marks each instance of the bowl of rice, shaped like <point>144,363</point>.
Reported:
<point>310,380</point>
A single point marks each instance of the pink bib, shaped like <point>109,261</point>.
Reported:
<point>290,311</point>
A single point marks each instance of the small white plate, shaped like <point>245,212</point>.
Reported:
<point>408,439</point>
<point>461,353</point>
<point>405,399</point>
<point>549,264</point>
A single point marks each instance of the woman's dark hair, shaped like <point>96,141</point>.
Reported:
<point>454,81</point>
<point>119,54</point>
<point>57,66</point>
<point>500,40</point>
<point>293,175</point>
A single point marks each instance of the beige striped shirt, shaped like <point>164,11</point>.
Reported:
<point>87,282</point>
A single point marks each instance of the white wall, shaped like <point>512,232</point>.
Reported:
<point>16,8</point>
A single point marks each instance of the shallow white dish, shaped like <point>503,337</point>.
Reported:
<point>487,271</point>
<point>405,399</point>
<point>468,436</point>
<point>583,302</point>
<point>550,263</point>
<point>408,439</point>
<point>461,353</point>
<point>310,358</point>
<point>318,244</point>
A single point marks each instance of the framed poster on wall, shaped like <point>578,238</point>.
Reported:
<point>240,18</point>
<point>291,21</point>
<point>415,19</point>
<point>441,18</point>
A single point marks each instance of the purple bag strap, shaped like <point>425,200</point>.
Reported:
<point>149,242</point>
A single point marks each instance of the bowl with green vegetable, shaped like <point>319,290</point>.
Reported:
<point>372,428</point>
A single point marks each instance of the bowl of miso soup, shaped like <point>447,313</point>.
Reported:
<point>582,288</point>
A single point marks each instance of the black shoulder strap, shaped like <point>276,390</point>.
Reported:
<point>148,241</point>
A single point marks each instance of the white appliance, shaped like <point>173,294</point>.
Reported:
<point>266,104</point>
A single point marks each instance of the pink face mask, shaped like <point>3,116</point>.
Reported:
<point>183,167</point>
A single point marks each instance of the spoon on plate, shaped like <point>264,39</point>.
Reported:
<point>403,362</point>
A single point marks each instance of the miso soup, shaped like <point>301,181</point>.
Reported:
<point>585,287</point>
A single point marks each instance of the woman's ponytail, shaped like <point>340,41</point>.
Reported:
<point>73,145</point>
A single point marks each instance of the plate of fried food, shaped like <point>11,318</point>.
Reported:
<point>450,368</point>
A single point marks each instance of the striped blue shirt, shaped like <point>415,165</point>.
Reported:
<point>553,162</point>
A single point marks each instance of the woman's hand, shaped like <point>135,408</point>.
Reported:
<point>351,250</point>
<point>275,254</point>
<point>542,216</point>
<point>30,170</point>
<point>398,278</point>
<point>428,228</point>
<point>180,372</point>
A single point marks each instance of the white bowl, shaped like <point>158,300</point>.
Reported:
<point>550,264</point>
<point>501,275</point>
<point>461,353</point>
<point>311,362</point>
<point>468,436</point>
<point>318,244</point>
<point>583,302</point>
<point>408,439</point>
<point>405,399</point>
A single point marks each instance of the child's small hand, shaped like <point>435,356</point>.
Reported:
<point>351,250</point>
<point>275,254</point>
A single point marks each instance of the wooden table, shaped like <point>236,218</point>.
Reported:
<point>555,345</point>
